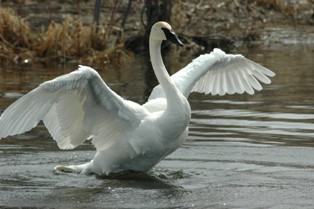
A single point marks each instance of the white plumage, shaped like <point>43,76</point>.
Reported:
<point>79,106</point>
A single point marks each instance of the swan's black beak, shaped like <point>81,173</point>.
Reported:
<point>172,37</point>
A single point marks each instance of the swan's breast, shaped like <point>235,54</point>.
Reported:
<point>156,105</point>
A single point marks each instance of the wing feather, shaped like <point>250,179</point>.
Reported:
<point>247,87</point>
<point>73,107</point>
<point>237,79</point>
<point>230,85</point>
<point>254,83</point>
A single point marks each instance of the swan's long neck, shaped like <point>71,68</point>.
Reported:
<point>171,92</point>
<point>178,112</point>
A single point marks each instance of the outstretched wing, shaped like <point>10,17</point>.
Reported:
<point>73,107</point>
<point>218,73</point>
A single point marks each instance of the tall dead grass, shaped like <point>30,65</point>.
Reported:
<point>66,41</point>
<point>14,35</point>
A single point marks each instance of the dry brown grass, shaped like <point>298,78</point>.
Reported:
<point>14,36</point>
<point>14,30</point>
<point>69,40</point>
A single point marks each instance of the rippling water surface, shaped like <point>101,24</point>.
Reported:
<point>243,151</point>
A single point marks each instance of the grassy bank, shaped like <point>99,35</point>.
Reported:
<point>53,31</point>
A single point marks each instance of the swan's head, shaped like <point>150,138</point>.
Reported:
<point>163,31</point>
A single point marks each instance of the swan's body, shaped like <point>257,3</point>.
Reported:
<point>128,136</point>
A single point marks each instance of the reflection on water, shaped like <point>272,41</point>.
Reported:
<point>243,151</point>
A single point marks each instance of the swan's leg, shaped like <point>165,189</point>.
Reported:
<point>81,169</point>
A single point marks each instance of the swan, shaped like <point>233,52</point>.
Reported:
<point>80,106</point>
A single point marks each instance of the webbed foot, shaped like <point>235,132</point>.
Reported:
<point>81,169</point>
<point>68,169</point>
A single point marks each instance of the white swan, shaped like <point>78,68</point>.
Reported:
<point>128,136</point>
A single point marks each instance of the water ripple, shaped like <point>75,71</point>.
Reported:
<point>250,125</point>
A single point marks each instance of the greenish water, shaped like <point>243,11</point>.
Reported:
<point>242,152</point>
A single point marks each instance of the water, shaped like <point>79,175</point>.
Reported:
<point>243,151</point>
